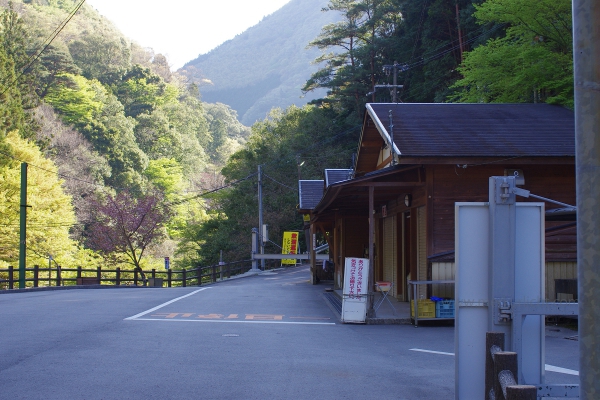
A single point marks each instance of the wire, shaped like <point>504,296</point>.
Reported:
<point>59,174</point>
<point>282,184</point>
<point>44,46</point>
<point>173,203</point>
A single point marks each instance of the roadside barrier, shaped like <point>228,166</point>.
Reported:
<point>59,276</point>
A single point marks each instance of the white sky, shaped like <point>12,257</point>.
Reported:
<point>183,29</point>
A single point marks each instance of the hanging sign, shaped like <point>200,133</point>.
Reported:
<point>290,246</point>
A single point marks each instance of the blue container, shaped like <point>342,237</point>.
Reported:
<point>444,309</point>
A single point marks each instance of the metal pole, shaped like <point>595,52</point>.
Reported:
<point>23,227</point>
<point>586,57</point>
<point>260,217</point>
<point>501,279</point>
<point>395,92</point>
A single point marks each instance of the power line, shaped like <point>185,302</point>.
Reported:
<point>44,46</point>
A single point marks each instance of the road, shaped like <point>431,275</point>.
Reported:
<point>268,336</point>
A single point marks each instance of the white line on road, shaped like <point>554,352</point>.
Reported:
<point>549,367</point>
<point>164,304</point>
<point>234,322</point>
<point>560,370</point>
<point>433,352</point>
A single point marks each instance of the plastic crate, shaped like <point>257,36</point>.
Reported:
<point>426,308</point>
<point>444,309</point>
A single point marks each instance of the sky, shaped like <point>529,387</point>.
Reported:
<point>184,29</point>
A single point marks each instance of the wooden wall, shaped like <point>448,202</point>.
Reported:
<point>448,184</point>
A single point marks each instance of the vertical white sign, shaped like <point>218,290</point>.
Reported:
<point>471,298</point>
<point>473,290</point>
<point>355,292</point>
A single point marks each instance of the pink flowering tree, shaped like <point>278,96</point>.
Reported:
<point>127,225</point>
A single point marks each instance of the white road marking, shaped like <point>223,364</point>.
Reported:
<point>234,321</point>
<point>137,316</point>
<point>433,352</point>
<point>560,370</point>
<point>548,367</point>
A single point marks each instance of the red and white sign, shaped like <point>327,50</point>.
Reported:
<point>356,290</point>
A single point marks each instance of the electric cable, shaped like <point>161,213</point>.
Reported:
<point>44,46</point>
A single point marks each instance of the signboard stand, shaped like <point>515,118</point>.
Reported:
<point>355,293</point>
<point>500,274</point>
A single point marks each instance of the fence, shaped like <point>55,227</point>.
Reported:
<point>45,277</point>
<point>501,372</point>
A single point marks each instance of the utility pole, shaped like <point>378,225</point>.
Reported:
<point>261,244</point>
<point>586,58</point>
<point>23,227</point>
<point>393,69</point>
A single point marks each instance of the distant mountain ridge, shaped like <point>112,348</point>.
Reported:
<point>266,65</point>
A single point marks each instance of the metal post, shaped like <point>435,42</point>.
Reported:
<point>23,227</point>
<point>254,249</point>
<point>501,278</point>
<point>586,57</point>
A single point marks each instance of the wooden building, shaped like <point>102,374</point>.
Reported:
<point>415,161</point>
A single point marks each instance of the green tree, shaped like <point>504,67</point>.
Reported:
<point>17,83</point>
<point>100,117</point>
<point>532,63</point>
<point>276,143</point>
<point>101,56</point>
<point>50,215</point>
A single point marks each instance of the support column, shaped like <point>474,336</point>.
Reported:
<point>370,310</point>
<point>586,57</point>
<point>503,216</point>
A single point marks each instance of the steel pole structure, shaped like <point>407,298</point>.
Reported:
<point>586,57</point>
<point>23,227</point>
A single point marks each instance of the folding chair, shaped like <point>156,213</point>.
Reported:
<point>384,288</point>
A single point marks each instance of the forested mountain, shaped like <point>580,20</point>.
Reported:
<point>114,131</point>
<point>128,165</point>
<point>265,66</point>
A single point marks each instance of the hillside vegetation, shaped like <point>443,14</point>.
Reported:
<point>128,165</point>
<point>96,117</point>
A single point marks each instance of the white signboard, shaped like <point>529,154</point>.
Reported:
<point>356,283</point>
<point>473,293</point>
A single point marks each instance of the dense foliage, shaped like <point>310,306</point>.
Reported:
<point>113,119</point>
<point>131,138</point>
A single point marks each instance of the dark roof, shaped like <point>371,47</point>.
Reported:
<point>477,130</point>
<point>337,175</point>
<point>310,193</point>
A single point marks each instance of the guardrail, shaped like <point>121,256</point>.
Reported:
<point>59,276</point>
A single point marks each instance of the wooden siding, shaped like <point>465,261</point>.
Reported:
<point>554,270</point>
<point>456,184</point>
<point>443,271</point>
<point>558,270</point>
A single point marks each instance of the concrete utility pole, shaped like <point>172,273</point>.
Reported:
<point>586,57</point>
<point>261,243</point>
<point>23,227</point>
<point>393,69</point>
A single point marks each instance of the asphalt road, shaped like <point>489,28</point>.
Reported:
<point>270,336</point>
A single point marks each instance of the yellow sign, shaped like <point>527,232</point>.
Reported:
<point>290,246</point>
